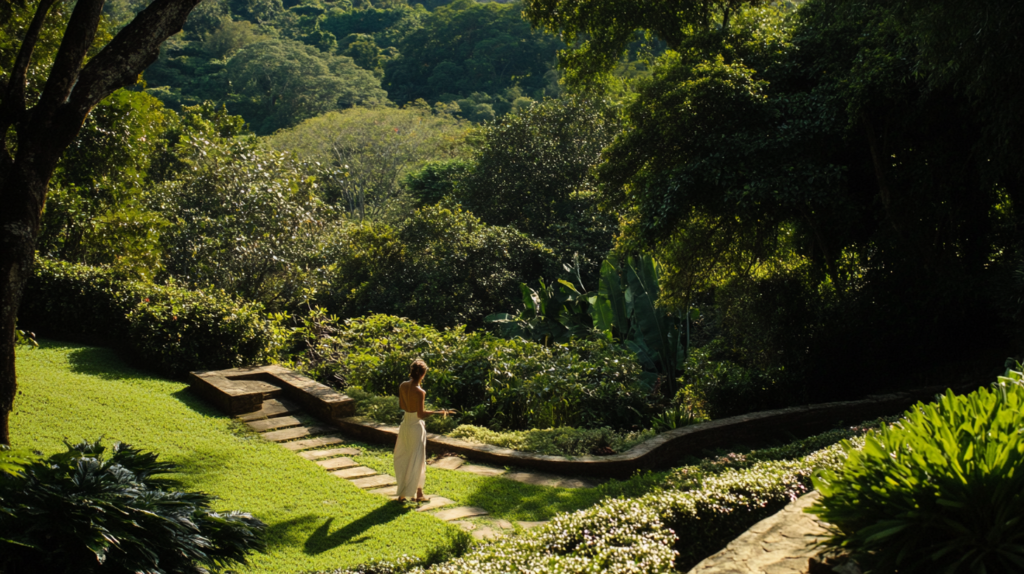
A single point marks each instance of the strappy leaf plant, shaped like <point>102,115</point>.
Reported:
<point>942,491</point>
<point>80,512</point>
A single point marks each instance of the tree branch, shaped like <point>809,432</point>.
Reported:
<point>78,38</point>
<point>134,48</point>
<point>13,105</point>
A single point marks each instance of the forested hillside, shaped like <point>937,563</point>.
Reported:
<point>765,203</point>
<point>276,64</point>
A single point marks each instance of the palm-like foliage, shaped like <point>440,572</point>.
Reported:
<point>78,512</point>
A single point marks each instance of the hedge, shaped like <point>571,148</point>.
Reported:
<point>172,329</point>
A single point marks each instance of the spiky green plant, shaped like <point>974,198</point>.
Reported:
<point>942,491</point>
<point>78,512</point>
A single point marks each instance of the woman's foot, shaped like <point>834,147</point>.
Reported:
<point>401,500</point>
<point>421,498</point>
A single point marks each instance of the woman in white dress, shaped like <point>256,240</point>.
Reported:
<point>411,447</point>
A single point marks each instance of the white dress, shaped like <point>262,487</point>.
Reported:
<point>411,455</point>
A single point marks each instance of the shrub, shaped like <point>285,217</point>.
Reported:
<point>941,491</point>
<point>76,512</point>
<point>172,329</point>
<point>720,388</point>
<point>497,383</point>
<point>562,441</point>
<point>663,531</point>
<point>442,266</point>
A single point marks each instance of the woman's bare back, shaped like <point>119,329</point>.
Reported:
<point>411,398</point>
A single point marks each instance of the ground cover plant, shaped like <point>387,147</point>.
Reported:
<point>315,521</point>
<point>940,491</point>
<point>660,521</point>
<point>82,511</point>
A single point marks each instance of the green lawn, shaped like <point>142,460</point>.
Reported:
<point>316,521</point>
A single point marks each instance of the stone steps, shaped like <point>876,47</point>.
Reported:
<point>275,422</point>
<point>271,408</point>
<point>337,463</point>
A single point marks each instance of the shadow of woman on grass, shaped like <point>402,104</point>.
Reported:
<point>323,539</point>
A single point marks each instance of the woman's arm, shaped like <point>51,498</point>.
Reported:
<point>421,399</point>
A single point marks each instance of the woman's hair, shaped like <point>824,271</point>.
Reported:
<point>418,369</point>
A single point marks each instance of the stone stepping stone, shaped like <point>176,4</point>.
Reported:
<point>316,454</point>
<point>271,408</point>
<point>435,503</point>
<point>541,479</point>
<point>313,443</point>
<point>378,481</point>
<point>482,470</point>
<point>503,524</point>
<point>449,463</point>
<point>337,463</point>
<point>460,512</point>
<point>526,525</point>
<point>297,432</point>
<point>485,533</point>
<point>467,526</point>
<point>274,423</point>
<point>391,491</point>
<point>353,473</point>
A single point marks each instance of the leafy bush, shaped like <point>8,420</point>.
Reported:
<point>720,388</point>
<point>79,512</point>
<point>442,266</point>
<point>938,492</point>
<point>172,329</point>
<point>562,441</point>
<point>498,383</point>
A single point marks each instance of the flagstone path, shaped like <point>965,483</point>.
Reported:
<point>279,421</point>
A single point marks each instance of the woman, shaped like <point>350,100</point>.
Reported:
<point>411,447</point>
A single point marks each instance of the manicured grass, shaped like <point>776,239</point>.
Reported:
<point>316,521</point>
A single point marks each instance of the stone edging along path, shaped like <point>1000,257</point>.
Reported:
<point>242,390</point>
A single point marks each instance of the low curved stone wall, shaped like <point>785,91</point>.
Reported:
<point>667,447</point>
<point>658,452</point>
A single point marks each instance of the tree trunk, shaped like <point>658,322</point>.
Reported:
<point>46,129</point>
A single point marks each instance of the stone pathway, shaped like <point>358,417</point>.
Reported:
<point>783,543</point>
<point>279,421</point>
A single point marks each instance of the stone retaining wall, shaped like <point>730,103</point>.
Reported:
<point>658,452</point>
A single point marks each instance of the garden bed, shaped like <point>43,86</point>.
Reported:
<point>657,452</point>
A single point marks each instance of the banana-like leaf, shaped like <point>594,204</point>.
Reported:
<point>651,322</point>
<point>610,290</point>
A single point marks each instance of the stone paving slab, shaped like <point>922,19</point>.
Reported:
<point>526,524</point>
<point>783,543</point>
<point>374,481</point>
<point>449,463</point>
<point>482,470</point>
<point>274,423</point>
<point>460,512</point>
<point>297,432</point>
<point>542,479</point>
<point>467,526</point>
<point>503,524</point>
<point>353,473</point>
<point>485,533</point>
<point>337,463</point>
<point>313,442</point>
<point>316,454</point>
<point>435,503</point>
<point>271,408</point>
<point>389,491</point>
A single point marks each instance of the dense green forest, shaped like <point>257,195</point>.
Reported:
<point>817,199</point>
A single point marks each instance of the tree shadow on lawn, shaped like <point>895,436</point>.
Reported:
<point>100,362</point>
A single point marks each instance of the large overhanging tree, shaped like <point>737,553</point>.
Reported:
<point>43,128</point>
